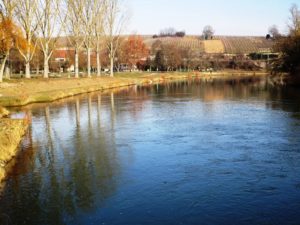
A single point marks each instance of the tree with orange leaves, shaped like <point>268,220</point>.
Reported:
<point>10,36</point>
<point>134,50</point>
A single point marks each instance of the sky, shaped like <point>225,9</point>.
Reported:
<point>227,17</point>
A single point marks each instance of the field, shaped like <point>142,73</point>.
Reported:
<point>220,44</point>
<point>246,45</point>
<point>186,42</point>
<point>214,46</point>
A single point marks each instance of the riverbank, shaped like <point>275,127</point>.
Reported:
<point>23,92</point>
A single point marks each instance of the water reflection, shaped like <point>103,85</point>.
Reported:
<point>174,153</point>
<point>74,169</point>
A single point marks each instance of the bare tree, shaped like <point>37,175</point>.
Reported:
<point>26,15</point>
<point>168,32</point>
<point>294,25</point>
<point>73,25</point>
<point>48,15</point>
<point>274,32</point>
<point>90,14</point>
<point>99,32</point>
<point>8,8</point>
<point>115,22</point>
<point>208,32</point>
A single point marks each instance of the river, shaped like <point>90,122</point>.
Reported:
<point>174,153</point>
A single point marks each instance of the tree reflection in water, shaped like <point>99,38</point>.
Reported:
<point>71,163</point>
<point>67,177</point>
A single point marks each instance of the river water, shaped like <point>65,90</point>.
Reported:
<point>174,153</point>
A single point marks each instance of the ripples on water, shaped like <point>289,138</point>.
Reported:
<point>178,153</point>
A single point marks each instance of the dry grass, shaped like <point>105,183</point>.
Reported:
<point>214,47</point>
<point>3,112</point>
<point>11,133</point>
<point>22,92</point>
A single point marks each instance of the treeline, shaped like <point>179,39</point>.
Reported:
<point>32,27</point>
<point>169,32</point>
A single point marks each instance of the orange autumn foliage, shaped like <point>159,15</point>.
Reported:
<point>134,50</point>
<point>10,36</point>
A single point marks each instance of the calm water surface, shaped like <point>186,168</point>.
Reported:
<point>180,153</point>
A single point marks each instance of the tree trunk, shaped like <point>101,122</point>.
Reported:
<point>46,69</point>
<point>76,64</point>
<point>89,62</point>
<point>46,62</point>
<point>98,64</point>
<point>2,68</point>
<point>27,70</point>
<point>7,72</point>
<point>37,69</point>
<point>27,64</point>
<point>111,66</point>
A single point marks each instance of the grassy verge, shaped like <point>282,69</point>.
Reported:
<point>22,92</point>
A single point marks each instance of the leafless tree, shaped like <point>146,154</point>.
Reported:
<point>274,32</point>
<point>168,32</point>
<point>8,7</point>
<point>208,32</point>
<point>73,25</point>
<point>294,25</point>
<point>48,15</point>
<point>114,26</point>
<point>98,31</point>
<point>25,13</point>
<point>91,13</point>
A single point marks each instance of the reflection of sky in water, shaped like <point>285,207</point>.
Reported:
<point>19,115</point>
<point>177,154</point>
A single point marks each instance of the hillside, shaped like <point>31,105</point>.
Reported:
<point>219,45</point>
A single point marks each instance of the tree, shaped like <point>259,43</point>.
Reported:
<point>98,31</point>
<point>73,25</point>
<point>274,32</point>
<point>10,33</point>
<point>294,25</point>
<point>289,46</point>
<point>172,55</point>
<point>114,25</point>
<point>159,60</point>
<point>25,14</point>
<point>10,36</point>
<point>91,13</point>
<point>208,32</point>
<point>48,15</point>
<point>134,50</point>
<point>168,32</point>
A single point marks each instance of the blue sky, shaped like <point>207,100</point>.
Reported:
<point>227,17</point>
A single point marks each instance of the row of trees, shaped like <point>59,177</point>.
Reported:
<point>29,25</point>
<point>170,32</point>
<point>207,33</point>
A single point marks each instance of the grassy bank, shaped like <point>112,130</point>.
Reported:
<point>22,92</point>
